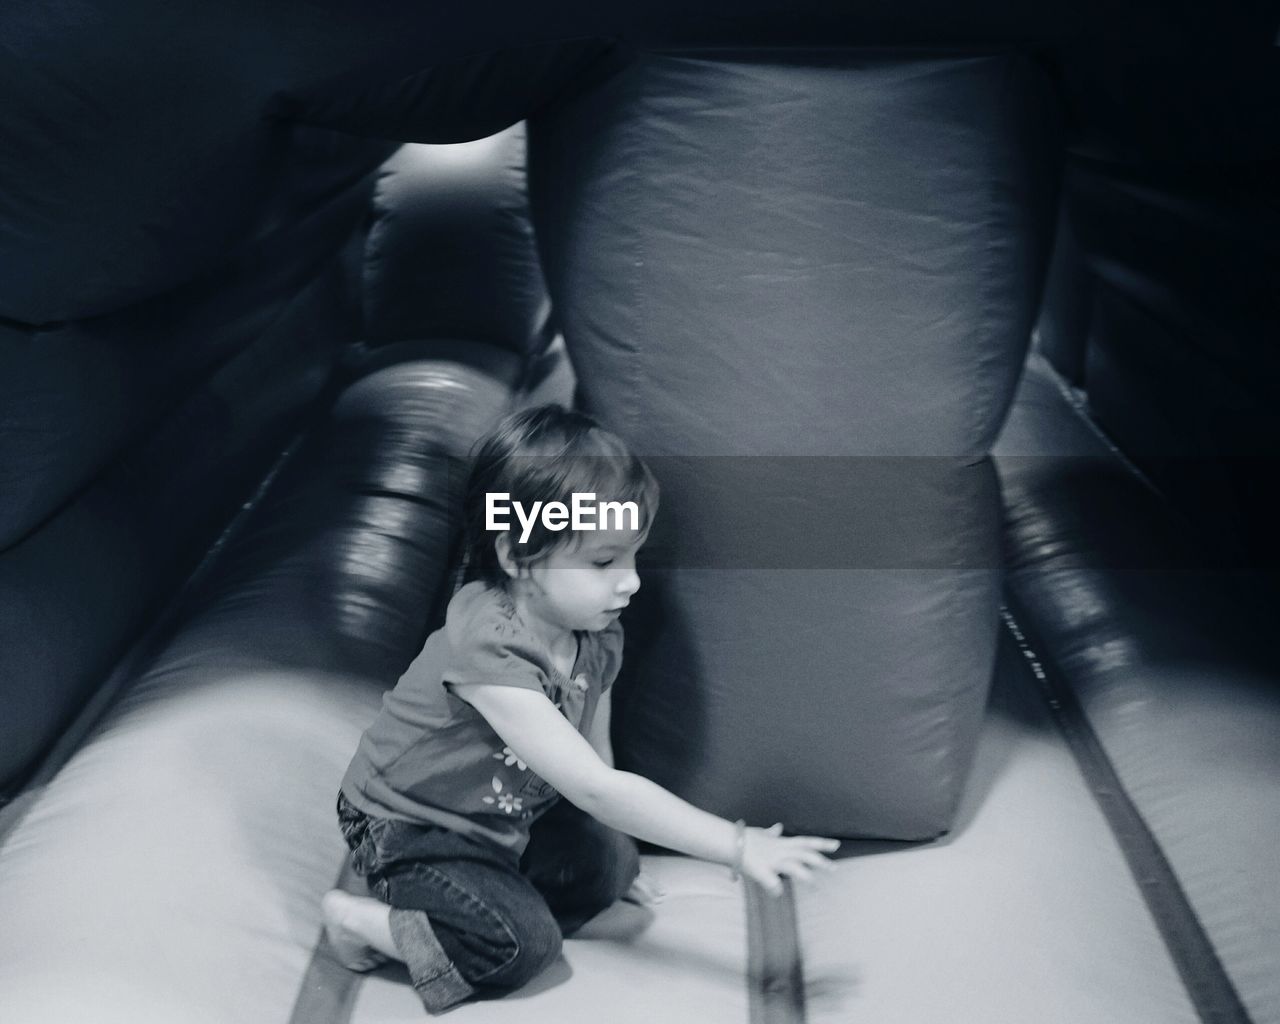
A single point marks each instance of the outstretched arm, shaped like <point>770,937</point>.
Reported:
<point>598,735</point>
<point>541,737</point>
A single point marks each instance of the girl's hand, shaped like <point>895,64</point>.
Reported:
<point>768,854</point>
<point>644,891</point>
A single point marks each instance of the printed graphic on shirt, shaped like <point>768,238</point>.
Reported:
<point>530,785</point>
<point>507,756</point>
<point>507,802</point>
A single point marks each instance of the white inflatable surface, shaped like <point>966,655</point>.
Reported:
<point>171,873</point>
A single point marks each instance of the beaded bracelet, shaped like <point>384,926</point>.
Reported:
<point>739,849</point>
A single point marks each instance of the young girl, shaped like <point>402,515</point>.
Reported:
<point>451,804</point>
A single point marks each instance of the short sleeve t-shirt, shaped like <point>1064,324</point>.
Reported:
<point>430,757</point>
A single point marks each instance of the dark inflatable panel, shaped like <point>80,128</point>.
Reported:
<point>1182,366</point>
<point>1171,658</point>
<point>77,592</point>
<point>451,252</point>
<point>341,566</point>
<point>72,396</point>
<point>1198,247</point>
<point>805,255</point>
<point>142,142</point>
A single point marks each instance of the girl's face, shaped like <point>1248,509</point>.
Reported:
<point>584,585</point>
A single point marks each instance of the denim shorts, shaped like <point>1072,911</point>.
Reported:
<point>470,918</point>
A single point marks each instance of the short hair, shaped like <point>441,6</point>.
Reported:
<point>547,453</point>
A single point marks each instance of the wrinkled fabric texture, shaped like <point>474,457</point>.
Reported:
<point>762,261</point>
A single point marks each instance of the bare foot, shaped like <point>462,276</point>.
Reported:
<point>346,925</point>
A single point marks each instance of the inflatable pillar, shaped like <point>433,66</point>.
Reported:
<point>802,285</point>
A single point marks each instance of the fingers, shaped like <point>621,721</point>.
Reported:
<point>798,871</point>
<point>818,842</point>
<point>805,866</point>
<point>804,863</point>
<point>819,846</point>
<point>779,857</point>
<point>810,847</point>
<point>768,879</point>
<point>816,861</point>
<point>644,891</point>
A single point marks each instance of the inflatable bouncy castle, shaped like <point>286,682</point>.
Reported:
<point>949,333</point>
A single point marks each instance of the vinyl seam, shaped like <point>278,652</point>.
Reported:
<point>1209,987</point>
<point>775,966</point>
<point>129,666</point>
<point>327,991</point>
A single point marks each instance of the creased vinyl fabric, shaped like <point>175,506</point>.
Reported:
<point>770,258</point>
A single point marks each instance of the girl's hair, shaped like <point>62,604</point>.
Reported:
<point>547,453</point>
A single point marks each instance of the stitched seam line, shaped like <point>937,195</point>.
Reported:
<point>1211,990</point>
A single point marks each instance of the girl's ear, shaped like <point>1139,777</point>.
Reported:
<point>502,546</point>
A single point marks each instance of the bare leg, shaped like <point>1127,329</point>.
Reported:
<point>359,930</point>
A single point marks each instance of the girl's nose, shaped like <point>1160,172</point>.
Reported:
<point>629,583</point>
